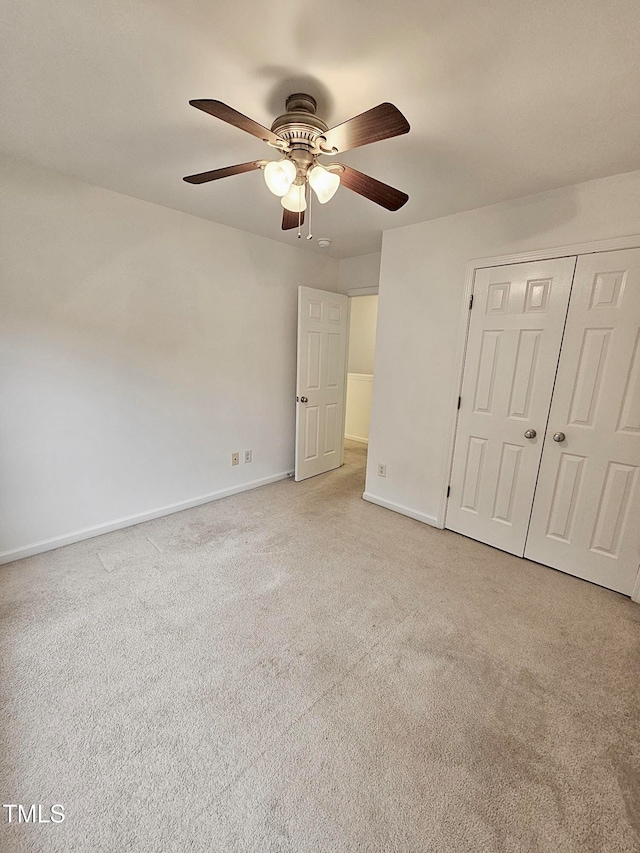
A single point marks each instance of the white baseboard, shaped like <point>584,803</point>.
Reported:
<point>403,510</point>
<point>131,520</point>
<point>357,438</point>
<point>635,595</point>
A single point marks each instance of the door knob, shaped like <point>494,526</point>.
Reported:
<point>530,433</point>
<point>559,436</point>
<point>304,399</point>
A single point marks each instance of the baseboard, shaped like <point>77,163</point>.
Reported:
<point>357,438</point>
<point>131,520</point>
<point>635,594</point>
<point>403,510</point>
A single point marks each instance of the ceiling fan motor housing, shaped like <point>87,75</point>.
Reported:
<point>300,127</point>
<point>301,103</point>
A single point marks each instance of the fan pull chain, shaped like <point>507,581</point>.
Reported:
<point>310,235</point>
<point>299,223</point>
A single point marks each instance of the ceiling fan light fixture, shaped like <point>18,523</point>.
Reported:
<point>300,137</point>
<point>295,200</point>
<point>279,175</point>
<point>324,183</point>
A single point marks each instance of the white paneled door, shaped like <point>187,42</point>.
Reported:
<point>322,352</point>
<point>512,354</point>
<point>586,513</point>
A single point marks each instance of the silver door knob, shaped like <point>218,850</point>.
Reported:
<point>530,433</point>
<point>304,399</point>
<point>559,436</point>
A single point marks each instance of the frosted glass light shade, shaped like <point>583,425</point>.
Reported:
<point>324,183</point>
<point>279,175</point>
<point>294,200</point>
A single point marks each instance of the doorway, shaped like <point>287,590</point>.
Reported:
<point>363,318</point>
<point>334,378</point>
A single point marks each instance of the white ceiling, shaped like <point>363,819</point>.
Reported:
<point>505,98</point>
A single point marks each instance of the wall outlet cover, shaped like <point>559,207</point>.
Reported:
<point>235,458</point>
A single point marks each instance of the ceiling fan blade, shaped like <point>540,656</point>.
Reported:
<point>372,189</point>
<point>203,177</point>
<point>222,111</point>
<point>290,219</point>
<point>381,122</point>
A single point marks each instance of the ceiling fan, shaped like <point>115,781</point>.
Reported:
<point>302,137</point>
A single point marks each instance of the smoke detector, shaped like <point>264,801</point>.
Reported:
<point>324,242</point>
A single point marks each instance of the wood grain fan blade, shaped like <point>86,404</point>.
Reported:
<point>290,219</point>
<point>222,111</point>
<point>203,177</point>
<point>372,189</point>
<point>381,122</point>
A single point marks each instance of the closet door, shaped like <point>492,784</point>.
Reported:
<point>586,513</point>
<point>514,341</point>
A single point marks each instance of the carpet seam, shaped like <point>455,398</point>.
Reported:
<point>346,675</point>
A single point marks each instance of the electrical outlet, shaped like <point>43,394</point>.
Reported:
<point>235,458</point>
<point>382,470</point>
<point>248,455</point>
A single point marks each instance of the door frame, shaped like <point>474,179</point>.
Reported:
<point>363,291</point>
<point>592,247</point>
<point>373,290</point>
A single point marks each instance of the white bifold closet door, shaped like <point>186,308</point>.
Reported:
<point>586,512</point>
<point>512,354</point>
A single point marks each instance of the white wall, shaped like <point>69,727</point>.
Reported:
<point>421,290</point>
<point>358,408</point>
<point>140,346</point>
<point>362,333</point>
<point>362,271</point>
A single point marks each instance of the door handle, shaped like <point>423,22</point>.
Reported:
<point>304,399</point>
<point>559,436</point>
<point>530,433</point>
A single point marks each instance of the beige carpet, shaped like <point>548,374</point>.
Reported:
<point>293,669</point>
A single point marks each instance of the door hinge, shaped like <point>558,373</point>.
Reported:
<point>471,302</point>
<point>448,490</point>
<point>459,401</point>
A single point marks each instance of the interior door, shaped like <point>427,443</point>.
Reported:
<point>514,341</point>
<point>586,513</point>
<point>322,353</point>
